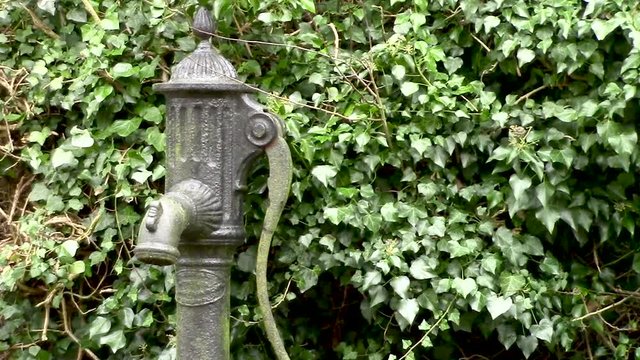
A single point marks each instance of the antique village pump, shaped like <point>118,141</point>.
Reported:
<point>214,132</point>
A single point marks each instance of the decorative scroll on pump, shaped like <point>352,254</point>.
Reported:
<point>214,132</point>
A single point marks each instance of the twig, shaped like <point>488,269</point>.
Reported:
<point>530,93</point>
<point>588,346</point>
<point>45,324</point>
<point>458,9</point>
<point>284,295</point>
<point>39,24</point>
<point>336,40</point>
<point>67,330</point>
<point>595,259</point>
<point>241,32</point>
<point>91,10</point>
<point>608,307</point>
<point>484,46</point>
<point>426,334</point>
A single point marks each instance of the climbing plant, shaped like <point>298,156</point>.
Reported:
<point>465,183</point>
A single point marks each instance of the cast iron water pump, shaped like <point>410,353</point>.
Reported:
<point>214,132</point>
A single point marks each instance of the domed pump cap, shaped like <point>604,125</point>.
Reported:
<point>205,68</point>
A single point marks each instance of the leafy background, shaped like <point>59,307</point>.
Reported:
<point>465,179</point>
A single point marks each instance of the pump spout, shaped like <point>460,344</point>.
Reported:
<point>161,229</point>
<point>189,208</point>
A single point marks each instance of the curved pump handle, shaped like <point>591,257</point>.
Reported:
<point>279,183</point>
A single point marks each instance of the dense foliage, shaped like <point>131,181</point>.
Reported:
<point>465,186</point>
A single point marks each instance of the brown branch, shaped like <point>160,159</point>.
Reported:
<point>40,25</point>
<point>530,93</point>
<point>91,10</point>
<point>67,330</point>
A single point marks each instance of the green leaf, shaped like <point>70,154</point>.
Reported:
<point>437,227</point>
<point>48,6</point>
<point>527,344</point>
<point>498,305</point>
<point>60,158</point>
<point>77,268</point>
<point>464,287</point>
<point>99,326</point>
<point>372,277</point>
<point>490,264</point>
<point>141,176</point>
<point>519,185</point>
<point>548,217</point>
<point>324,173</point>
<point>507,335</point>
<point>81,138</point>
<point>602,28</point>
<point>490,22</point>
<point>39,191</point>
<point>409,88</point>
<point>306,279</point>
<point>115,340</point>
<point>110,22</point>
<point>122,70</point>
<point>543,330</point>
<point>125,128</point>
<point>512,283</point>
<point>398,72</point>
<point>400,285</point>
<point>525,56</point>
<point>389,212</point>
<point>70,247</point>
<point>308,5</point>
<point>408,309</point>
<point>421,270</point>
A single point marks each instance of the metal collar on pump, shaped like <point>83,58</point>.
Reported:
<point>204,70</point>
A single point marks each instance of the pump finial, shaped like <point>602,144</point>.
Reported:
<point>203,24</point>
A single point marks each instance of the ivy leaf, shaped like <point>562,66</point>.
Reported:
<point>324,173</point>
<point>512,283</point>
<point>507,335</point>
<point>115,340</point>
<point>543,330</point>
<point>519,185</point>
<point>77,267</point>
<point>125,128</point>
<point>409,88</point>
<point>437,227</point>
<point>498,305</point>
<point>308,5</point>
<point>48,6</point>
<point>389,212</point>
<point>464,287</point>
<point>408,309</point>
<point>400,285</point>
<point>490,22</point>
<point>525,56</point>
<point>420,269</point>
<point>70,247</point>
<point>99,326</point>
<point>122,70</point>
<point>372,277</point>
<point>81,138</point>
<point>60,158</point>
<point>398,72</point>
<point>548,217</point>
<point>527,344</point>
<point>602,28</point>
